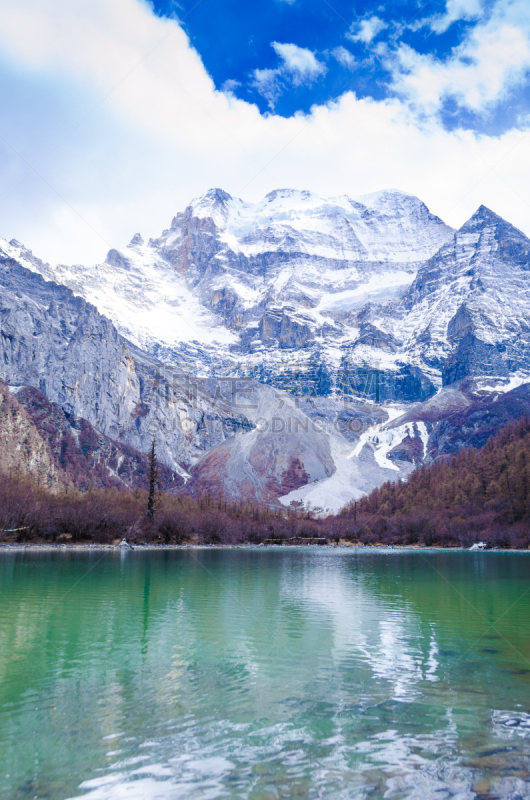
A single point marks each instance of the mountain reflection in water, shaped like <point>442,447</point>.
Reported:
<point>264,674</point>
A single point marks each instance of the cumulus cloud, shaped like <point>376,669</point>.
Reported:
<point>116,112</point>
<point>456,10</point>
<point>269,84</point>
<point>491,61</point>
<point>300,62</point>
<point>365,30</point>
<point>230,86</point>
<point>299,66</point>
<point>344,57</point>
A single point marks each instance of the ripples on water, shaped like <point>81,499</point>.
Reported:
<point>264,674</point>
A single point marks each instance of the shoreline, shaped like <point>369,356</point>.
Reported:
<point>6,547</point>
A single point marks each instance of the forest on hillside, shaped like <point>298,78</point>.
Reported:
<point>475,495</point>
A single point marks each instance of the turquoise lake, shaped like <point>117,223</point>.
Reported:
<point>263,674</point>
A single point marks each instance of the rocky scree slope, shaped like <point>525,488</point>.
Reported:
<point>298,449</point>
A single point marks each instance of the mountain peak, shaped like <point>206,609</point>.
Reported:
<point>217,196</point>
<point>504,231</point>
<point>136,241</point>
<point>214,204</point>
<point>482,216</point>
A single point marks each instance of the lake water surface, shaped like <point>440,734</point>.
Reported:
<point>261,674</point>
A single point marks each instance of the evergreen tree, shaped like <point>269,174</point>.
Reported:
<point>153,481</point>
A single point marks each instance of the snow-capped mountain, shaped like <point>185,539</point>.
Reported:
<point>372,321</point>
<point>300,291</point>
<point>467,311</point>
<point>238,285</point>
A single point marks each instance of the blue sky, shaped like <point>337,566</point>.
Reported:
<point>114,115</point>
<point>349,46</point>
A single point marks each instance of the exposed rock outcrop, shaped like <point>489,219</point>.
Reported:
<point>23,451</point>
<point>60,344</point>
<point>55,450</point>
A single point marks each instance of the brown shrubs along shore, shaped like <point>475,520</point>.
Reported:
<point>477,495</point>
<point>103,516</point>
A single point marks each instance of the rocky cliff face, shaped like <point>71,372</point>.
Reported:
<point>57,450</point>
<point>466,312</point>
<point>58,343</point>
<point>23,451</point>
<point>76,454</point>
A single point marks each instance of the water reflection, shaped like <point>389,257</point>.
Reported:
<point>385,632</point>
<point>264,674</point>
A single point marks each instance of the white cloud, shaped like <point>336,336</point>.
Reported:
<point>456,10</point>
<point>300,62</point>
<point>299,66</point>
<point>366,29</point>
<point>230,86</point>
<point>344,57</point>
<point>492,60</point>
<point>136,129</point>
<point>268,84</point>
